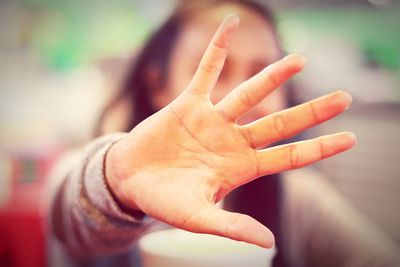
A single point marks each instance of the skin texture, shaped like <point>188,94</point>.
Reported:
<point>254,46</point>
<point>175,165</point>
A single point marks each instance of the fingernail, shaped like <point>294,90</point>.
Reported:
<point>299,57</point>
<point>266,240</point>
<point>347,97</point>
<point>350,138</point>
<point>232,17</point>
<point>353,137</point>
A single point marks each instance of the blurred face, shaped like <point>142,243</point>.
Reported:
<point>253,48</point>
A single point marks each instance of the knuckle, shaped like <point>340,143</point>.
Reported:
<point>209,68</point>
<point>323,149</point>
<point>273,79</point>
<point>314,113</point>
<point>245,98</point>
<point>280,126</point>
<point>294,157</point>
<point>220,44</point>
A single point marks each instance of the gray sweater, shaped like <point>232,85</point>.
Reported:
<point>320,228</point>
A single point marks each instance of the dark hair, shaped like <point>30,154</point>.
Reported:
<point>139,86</point>
<point>261,197</point>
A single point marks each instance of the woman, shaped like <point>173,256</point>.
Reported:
<point>176,164</point>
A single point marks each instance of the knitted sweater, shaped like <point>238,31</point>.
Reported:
<point>319,227</point>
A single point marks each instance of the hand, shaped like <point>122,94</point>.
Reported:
<point>175,165</point>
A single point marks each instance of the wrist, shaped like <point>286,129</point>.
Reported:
<point>114,181</point>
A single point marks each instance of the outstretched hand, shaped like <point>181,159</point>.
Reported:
<point>177,164</point>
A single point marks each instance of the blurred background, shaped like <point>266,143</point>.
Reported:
<point>60,61</point>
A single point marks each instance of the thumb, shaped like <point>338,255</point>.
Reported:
<point>237,226</point>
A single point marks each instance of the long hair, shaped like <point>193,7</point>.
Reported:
<point>140,85</point>
<point>260,198</point>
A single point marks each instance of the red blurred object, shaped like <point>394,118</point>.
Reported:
<point>22,229</point>
<point>23,217</point>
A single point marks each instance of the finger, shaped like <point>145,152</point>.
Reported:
<point>299,154</point>
<point>213,60</point>
<point>285,124</point>
<point>236,226</point>
<point>248,94</point>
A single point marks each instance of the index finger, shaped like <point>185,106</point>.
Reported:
<point>209,69</point>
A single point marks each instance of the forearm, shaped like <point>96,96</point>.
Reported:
<point>84,215</point>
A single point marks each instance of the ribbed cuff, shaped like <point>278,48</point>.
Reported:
<point>97,190</point>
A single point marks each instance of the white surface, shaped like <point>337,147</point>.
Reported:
<point>178,248</point>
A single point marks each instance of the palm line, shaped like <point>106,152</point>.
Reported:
<point>186,128</point>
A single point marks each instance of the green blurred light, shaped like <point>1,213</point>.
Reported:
<point>376,31</point>
<point>75,33</point>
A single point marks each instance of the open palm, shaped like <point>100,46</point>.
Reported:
<point>177,164</point>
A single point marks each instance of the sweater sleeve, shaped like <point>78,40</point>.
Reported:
<point>84,216</point>
<point>322,229</point>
